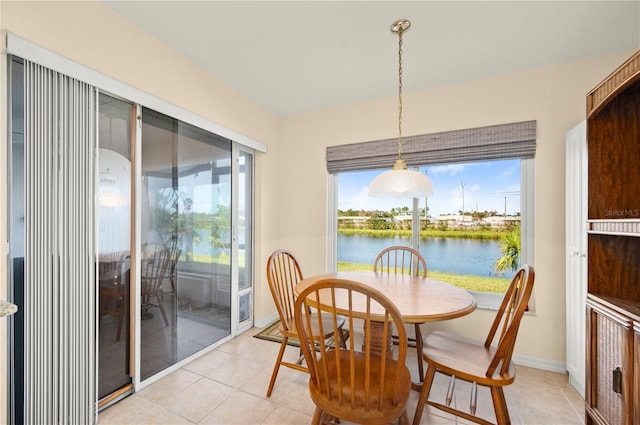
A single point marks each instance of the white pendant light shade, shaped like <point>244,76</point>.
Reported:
<point>400,183</point>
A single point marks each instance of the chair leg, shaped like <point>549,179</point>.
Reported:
<point>317,414</point>
<point>500,406</point>
<point>101,308</point>
<point>419,352</point>
<point>164,315</point>
<point>424,394</point>
<point>120,302</point>
<point>341,341</point>
<point>473,403</point>
<point>276,367</point>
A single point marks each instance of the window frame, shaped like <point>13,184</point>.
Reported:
<point>485,300</point>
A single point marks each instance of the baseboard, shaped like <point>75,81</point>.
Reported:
<point>543,364</point>
<point>534,362</point>
<point>577,385</point>
<point>264,322</point>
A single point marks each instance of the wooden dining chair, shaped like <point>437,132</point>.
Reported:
<point>353,383</point>
<point>485,363</point>
<point>153,268</point>
<point>172,268</point>
<point>404,260</point>
<point>113,287</point>
<point>283,274</point>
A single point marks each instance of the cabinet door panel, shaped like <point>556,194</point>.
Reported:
<point>611,359</point>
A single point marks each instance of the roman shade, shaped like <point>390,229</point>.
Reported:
<point>504,141</point>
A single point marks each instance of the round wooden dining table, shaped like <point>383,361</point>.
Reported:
<point>419,299</point>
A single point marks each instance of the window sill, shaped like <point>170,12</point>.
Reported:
<point>492,300</point>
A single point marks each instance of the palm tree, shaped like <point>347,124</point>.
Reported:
<point>510,249</point>
<point>220,226</point>
<point>174,219</point>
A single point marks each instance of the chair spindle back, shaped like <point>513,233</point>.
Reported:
<point>507,321</point>
<point>400,259</point>
<point>283,274</point>
<point>356,381</point>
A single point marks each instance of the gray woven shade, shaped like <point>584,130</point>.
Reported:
<point>504,141</point>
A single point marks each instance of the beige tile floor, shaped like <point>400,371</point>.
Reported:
<point>228,386</point>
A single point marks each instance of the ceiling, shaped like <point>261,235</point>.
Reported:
<point>298,56</point>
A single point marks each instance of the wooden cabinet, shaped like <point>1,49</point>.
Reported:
<point>636,369</point>
<point>613,227</point>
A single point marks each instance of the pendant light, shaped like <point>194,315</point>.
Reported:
<point>400,182</point>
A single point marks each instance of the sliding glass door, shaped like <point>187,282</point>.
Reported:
<point>192,276</point>
<point>154,240</point>
<point>186,210</point>
<point>114,244</point>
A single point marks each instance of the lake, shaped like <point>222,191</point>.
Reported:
<point>451,255</point>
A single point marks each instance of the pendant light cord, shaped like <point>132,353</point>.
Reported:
<point>400,31</point>
<point>400,182</point>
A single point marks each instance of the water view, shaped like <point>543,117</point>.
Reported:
<point>449,255</point>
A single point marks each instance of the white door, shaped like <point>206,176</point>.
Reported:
<point>576,247</point>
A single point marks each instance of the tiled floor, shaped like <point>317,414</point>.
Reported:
<point>228,386</point>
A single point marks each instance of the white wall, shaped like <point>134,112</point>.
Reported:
<point>291,179</point>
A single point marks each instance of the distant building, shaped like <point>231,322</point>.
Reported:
<point>457,220</point>
<point>404,221</point>
<point>501,221</point>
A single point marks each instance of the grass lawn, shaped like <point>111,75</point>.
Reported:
<point>468,282</point>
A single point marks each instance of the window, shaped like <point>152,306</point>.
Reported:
<point>493,205</point>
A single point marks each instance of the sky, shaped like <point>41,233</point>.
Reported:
<point>487,187</point>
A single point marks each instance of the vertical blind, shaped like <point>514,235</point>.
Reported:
<point>59,278</point>
<point>503,141</point>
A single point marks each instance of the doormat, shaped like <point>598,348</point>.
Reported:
<point>271,333</point>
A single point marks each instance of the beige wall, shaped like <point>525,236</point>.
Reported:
<point>291,179</point>
<point>554,97</point>
<point>94,36</point>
